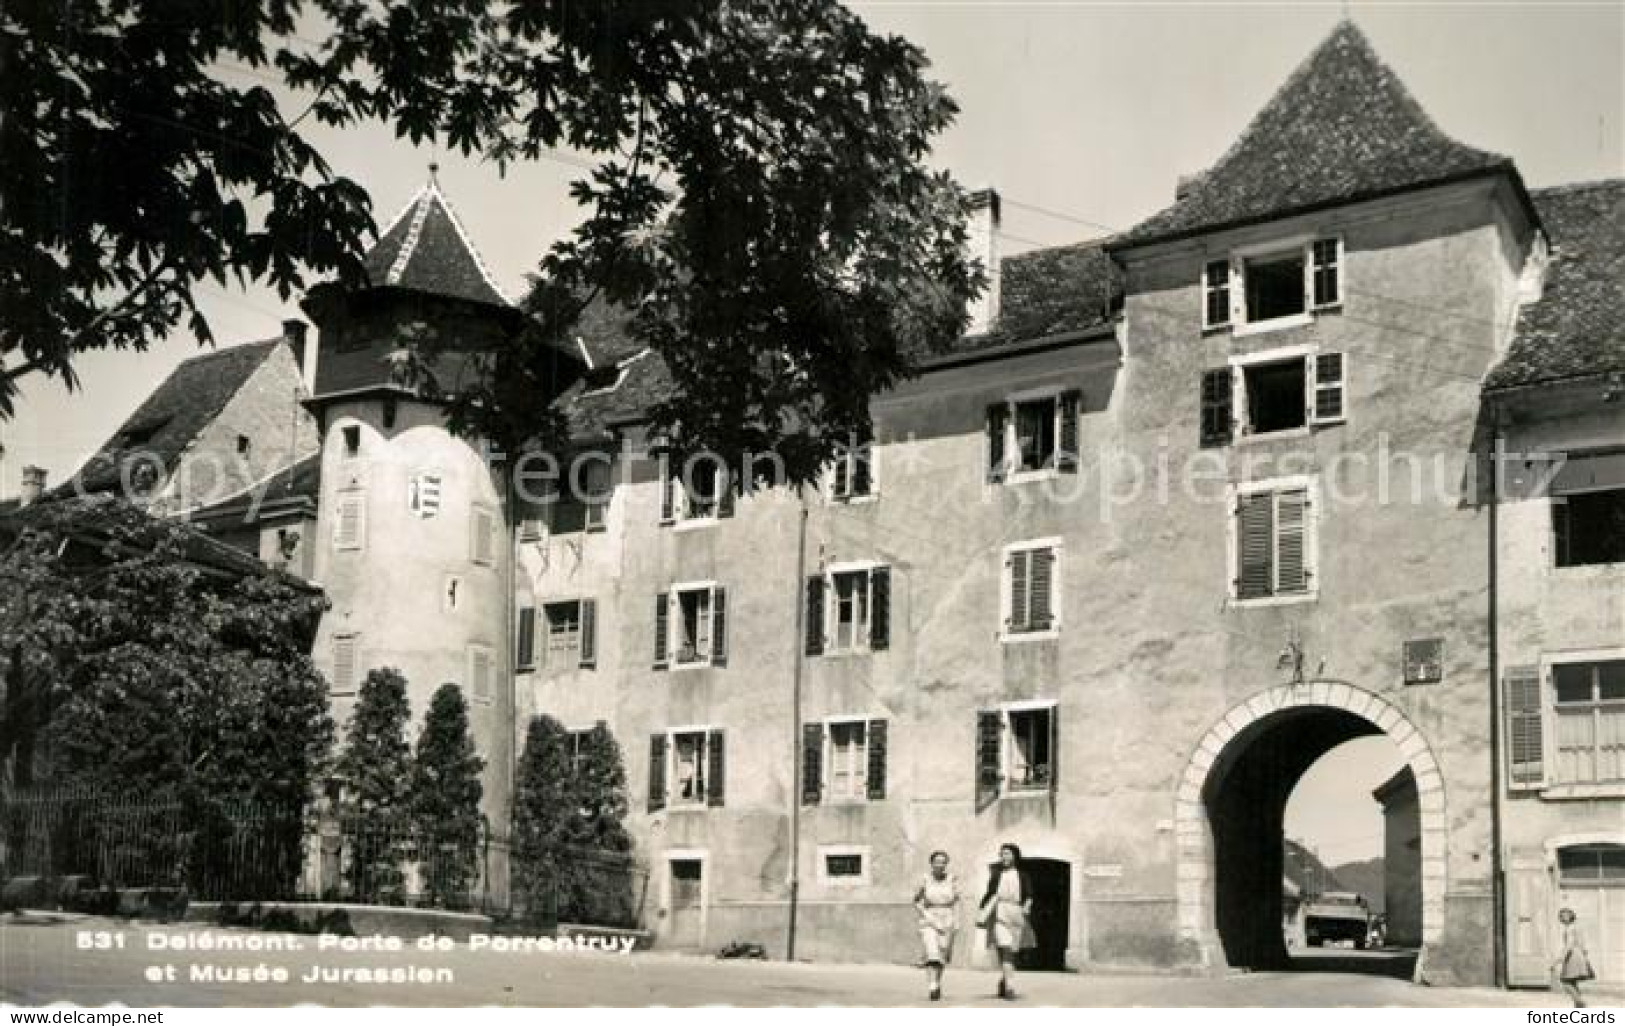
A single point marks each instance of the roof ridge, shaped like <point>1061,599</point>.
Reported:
<point>1590,185</point>
<point>218,351</point>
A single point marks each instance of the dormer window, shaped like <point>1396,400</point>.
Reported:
<point>1272,286</point>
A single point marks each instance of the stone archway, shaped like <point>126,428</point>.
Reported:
<point>1226,742</point>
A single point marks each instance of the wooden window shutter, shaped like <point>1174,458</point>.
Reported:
<point>879,608</point>
<point>815,615</point>
<point>344,664</point>
<point>657,772</point>
<point>875,739</point>
<point>725,493</point>
<point>1040,604</point>
<point>1329,377</point>
<point>989,723</point>
<point>1020,562</point>
<point>1216,294</point>
<point>998,415</point>
<point>714,775</point>
<point>589,633</point>
<point>525,650</point>
<point>812,763</point>
<point>350,527</point>
<point>662,645</point>
<point>668,494</point>
<point>1054,749</point>
<point>1526,767</point>
<point>1292,542</point>
<point>1217,420</point>
<point>1066,457</point>
<point>1255,545</point>
<point>719,626</point>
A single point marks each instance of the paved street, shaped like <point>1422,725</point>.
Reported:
<point>41,961</point>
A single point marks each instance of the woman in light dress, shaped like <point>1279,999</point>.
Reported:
<point>1004,913</point>
<point>937,901</point>
<point>1573,965</point>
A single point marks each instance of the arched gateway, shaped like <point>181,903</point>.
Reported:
<point>1230,803</point>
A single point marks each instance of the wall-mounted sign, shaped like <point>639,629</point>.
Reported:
<point>1103,871</point>
<point>1424,661</point>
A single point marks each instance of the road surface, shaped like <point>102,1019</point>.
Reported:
<point>46,958</point>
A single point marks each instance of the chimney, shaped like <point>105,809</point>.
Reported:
<point>294,332</point>
<point>982,243</point>
<point>33,484</point>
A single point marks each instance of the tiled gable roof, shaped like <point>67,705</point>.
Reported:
<point>291,484</point>
<point>1049,292</point>
<point>1342,128</point>
<point>175,413</point>
<point>427,250</point>
<point>1045,293</point>
<point>1577,327</point>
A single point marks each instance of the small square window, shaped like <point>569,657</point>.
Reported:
<point>850,865</point>
<point>352,440</point>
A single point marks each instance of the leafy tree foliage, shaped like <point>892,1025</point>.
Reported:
<point>445,795</point>
<point>132,666</point>
<point>763,214</point>
<point>375,768</point>
<point>571,849</point>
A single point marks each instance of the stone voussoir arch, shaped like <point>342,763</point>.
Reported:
<point>1194,864</point>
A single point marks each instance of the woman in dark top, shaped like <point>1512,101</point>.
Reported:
<point>1004,914</point>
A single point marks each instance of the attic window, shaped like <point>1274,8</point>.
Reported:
<point>1275,286</point>
<point>352,440</point>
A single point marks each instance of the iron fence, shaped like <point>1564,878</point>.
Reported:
<point>240,851</point>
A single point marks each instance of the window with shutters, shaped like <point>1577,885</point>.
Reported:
<point>848,609</point>
<point>1271,393</point>
<point>1588,510</point>
<point>1034,434</point>
<point>1031,605</point>
<point>843,759</point>
<point>480,672</point>
<point>843,865</point>
<point>1276,285</point>
<point>350,521</point>
<point>1273,541</point>
<point>1588,721</point>
<point>1016,750</point>
<point>697,494</point>
<point>692,771</point>
<point>346,664</point>
<point>851,477</point>
<point>691,626</point>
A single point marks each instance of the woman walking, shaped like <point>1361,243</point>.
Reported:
<point>1573,965</point>
<point>937,901</point>
<point>1004,913</point>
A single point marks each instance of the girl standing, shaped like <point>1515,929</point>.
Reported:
<point>1005,910</point>
<point>937,901</point>
<point>1573,965</point>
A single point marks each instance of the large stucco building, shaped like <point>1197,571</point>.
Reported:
<point>1184,510</point>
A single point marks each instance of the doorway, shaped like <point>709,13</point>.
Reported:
<point>1051,883</point>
